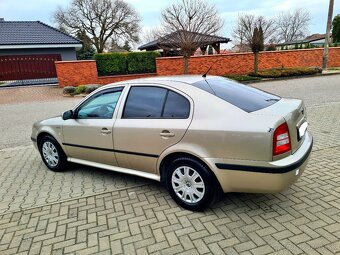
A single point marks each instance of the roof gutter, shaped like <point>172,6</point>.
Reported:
<point>40,46</point>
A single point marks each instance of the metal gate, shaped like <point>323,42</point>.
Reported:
<point>28,69</point>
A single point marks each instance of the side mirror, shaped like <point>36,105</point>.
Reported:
<point>68,115</point>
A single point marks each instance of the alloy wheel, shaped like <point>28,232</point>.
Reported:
<point>50,154</point>
<point>188,184</point>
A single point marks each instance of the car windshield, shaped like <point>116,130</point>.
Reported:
<point>244,97</point>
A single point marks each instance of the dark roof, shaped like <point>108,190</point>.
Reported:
<point>315,37</point>
<point>32,32</point>
<point>208,39</point>
<point>308,39</point>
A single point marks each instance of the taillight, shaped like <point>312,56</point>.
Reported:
<point>281,140</point>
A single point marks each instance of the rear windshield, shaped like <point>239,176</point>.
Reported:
<point>244,97</point>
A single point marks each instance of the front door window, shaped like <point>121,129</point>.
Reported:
<point>101,106</point>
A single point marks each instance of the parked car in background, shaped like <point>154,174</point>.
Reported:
<point>200,136</point>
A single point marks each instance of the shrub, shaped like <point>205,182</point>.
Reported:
<point>242,77</point>
<point>87,89</point>
<point>69,90</point>
<point>287,72</point>
<point>271,47</point>
<point>80,89</point>
<point>90,88</point>
<point>126,62</point>
<point>111,63</point>
<point>142,62</point>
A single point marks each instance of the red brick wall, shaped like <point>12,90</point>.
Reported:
<point>242,63</point>
<point>74,73</point>
<point>110,79</point>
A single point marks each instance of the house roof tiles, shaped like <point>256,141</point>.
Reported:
<point>32,33</point>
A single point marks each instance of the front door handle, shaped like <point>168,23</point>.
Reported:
<point>166,134</point>
<point>105,131</point>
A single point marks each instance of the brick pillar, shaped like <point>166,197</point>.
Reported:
<point>74,73</point>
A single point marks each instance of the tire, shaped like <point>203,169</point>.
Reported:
<point>191,184</point>
<point>52,154</point>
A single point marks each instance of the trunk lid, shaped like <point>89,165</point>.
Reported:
<point>294,113</point>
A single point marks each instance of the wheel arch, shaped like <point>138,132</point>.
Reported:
<point>171,156</point>
<point>44,133</point>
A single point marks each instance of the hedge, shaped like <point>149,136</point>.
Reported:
<point>126,62</point>
<point>111,63</point>
<point>142,62</point>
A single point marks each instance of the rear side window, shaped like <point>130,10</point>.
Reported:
<point>155,102</point>
<point>176,106</point>
<point>244,97</point>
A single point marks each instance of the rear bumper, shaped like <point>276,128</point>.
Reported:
<point>263,177</point>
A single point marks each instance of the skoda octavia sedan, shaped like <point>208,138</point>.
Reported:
<point>200,136</point>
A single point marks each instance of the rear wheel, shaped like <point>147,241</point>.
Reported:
<point>190,184</point>
<point>52,154</point>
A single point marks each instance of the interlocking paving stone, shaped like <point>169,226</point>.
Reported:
<point>90,211</point>
<point>255,223</point>
<point>25,181</point>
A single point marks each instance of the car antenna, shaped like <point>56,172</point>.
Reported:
<point>205,74</point>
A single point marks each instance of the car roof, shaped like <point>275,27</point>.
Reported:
<point>189,79</point>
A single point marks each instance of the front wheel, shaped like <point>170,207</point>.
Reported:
<point>190,184</point>
<point>52,154</point>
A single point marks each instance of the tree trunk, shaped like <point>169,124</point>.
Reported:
<point>327,39</point>
<point>256,62</point>
<point>186,64</point>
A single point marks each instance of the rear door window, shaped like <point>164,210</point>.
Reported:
<point>155,102</point>
<point>244,97</point>
<point>145,102</point>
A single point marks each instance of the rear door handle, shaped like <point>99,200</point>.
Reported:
<point>166,133</point>
<point>105,131</point>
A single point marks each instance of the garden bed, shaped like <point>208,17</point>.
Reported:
<point>276,73</point>
<point>81,90</point>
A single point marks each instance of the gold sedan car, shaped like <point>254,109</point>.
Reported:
<point>200,136</point>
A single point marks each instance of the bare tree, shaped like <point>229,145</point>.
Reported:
<point>246,24</point>
<point>292,26</point>
<point>257,45</point>
<point>239,33</point>
<point>102,20</point>
<point>150,34</point>
<point>186,25</point>
<point>255,31</point>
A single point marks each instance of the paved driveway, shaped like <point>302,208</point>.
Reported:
<point>21,107</point>
<point>91,211</point>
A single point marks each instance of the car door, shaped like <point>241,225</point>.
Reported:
<point>88,136</point>
<point>152,119</point>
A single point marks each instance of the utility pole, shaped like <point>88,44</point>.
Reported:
<point>327,39</point>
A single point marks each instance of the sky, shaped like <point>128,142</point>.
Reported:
<point>149,10</point>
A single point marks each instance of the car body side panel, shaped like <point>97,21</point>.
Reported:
<point>138,142</point>
<point>228,132</point>
<point>83,140</point>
